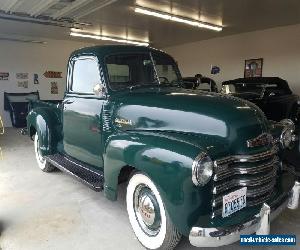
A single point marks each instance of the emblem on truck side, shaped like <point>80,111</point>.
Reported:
<point>261,140</point>
<point>121,121</point>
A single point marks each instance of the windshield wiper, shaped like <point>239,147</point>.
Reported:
<point>142,85</point>
<point>177,84</point>
<point>172,84</point>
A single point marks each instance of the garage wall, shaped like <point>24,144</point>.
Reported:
<point>279,47</point>
<point>18,57</point>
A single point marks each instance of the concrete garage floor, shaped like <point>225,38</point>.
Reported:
<point>54,211</point>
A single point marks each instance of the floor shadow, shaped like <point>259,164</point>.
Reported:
<point>3,226</point>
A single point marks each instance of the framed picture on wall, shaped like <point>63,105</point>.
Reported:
<point>54,88</point>
<point>253,67</point>
<point>4,76</point>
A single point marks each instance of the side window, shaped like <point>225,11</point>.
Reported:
<point>85,75</point>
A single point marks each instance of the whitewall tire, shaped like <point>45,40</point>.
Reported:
<point>148,217</point>
<point>42,163</point>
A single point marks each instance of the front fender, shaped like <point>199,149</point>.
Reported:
<point>45,122</point>
<point>167,160</point>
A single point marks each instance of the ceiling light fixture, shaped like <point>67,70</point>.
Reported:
<point>18,17</point>
<point>109,38</point>
<point>22,40</point>
<point>175,18</point>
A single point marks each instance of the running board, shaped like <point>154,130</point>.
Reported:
<point>82,172</point>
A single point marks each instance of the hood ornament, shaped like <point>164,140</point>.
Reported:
<point>263,139</point>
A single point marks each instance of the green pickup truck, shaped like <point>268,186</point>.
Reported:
<point>198,164</point>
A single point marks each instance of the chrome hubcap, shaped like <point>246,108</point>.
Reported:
<point>147,210</point>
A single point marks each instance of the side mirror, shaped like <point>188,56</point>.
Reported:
<point>99,90</point>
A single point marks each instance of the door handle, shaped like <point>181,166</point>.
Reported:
<point>67,101</point>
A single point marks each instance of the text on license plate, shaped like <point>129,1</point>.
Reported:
<point>234,201</point>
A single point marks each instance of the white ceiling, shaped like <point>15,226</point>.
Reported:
<point>54,18</point>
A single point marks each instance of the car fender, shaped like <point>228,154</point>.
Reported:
<point>44,121</point>
<point>167,160</point>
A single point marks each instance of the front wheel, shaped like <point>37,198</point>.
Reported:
<point>148,217</point>
<point>42,163</point>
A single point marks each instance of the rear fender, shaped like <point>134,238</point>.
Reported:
<point>46,123</point>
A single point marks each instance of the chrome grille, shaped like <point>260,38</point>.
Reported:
<point>256,172</point>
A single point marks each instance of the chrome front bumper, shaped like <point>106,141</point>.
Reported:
<point>260,224</point>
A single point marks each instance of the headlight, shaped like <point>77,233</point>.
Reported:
<point>202,169</point>
<point>288,123</point>
<point>287,135</point>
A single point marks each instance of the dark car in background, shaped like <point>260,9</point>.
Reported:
<point>200,82</point>
<point>271,94</point>
<point>277,101</point>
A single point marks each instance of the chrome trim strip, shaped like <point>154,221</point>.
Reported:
<point>251,193</point>
<point>239,170</point>
<point>246,158</point>
<point>260,180</point>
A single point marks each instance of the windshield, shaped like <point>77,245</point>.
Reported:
<point>243,88</point>
<point>141,69</point>
<point>166,69</point>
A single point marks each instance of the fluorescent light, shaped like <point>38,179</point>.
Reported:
<point>179,19</point>
<point>22,40</point>
<point>108,38</point>
<point>152,13</point>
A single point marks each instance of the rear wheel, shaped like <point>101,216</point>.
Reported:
<point>42,163</point>
<point>149,219</point>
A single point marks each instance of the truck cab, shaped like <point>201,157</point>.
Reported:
<point>203,165</point>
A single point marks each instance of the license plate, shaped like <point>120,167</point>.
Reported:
<point>234,201</point>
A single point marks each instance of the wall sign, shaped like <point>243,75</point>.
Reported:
<point>253,67</point>
<point>54,88</point>
<point>35,78</point>
<point>53,74</point>
<point>22,75</point>
<point>4,76</point>
<point>23,84</point>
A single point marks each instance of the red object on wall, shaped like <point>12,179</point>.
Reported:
<point>53,74</point>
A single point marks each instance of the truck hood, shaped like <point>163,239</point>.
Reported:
<point>247,96</point>
<point>256,99</point>
<point>224,118</point>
